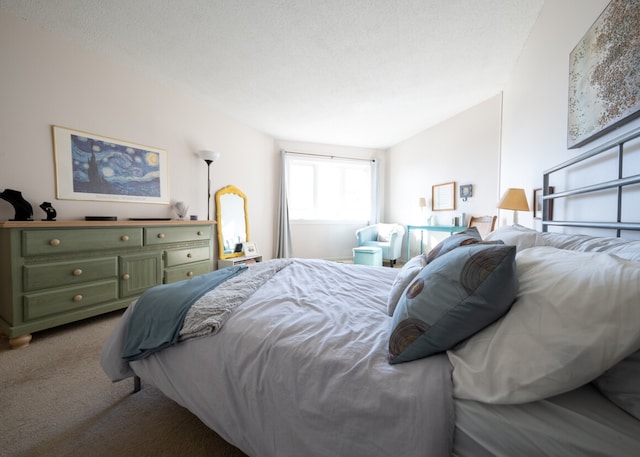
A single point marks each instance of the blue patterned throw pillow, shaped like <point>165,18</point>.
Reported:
<point>452,298</point>
<point>463,238</point>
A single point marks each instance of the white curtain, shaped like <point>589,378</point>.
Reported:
<point>283,243</point>
<point>375,191</point>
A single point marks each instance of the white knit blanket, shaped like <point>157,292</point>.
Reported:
<point>211,311</point>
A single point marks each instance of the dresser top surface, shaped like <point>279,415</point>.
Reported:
<point>82,223</point>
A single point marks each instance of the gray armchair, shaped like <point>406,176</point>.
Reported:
<point>388,237</point>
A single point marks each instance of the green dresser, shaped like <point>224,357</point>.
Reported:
<point>53,273</point>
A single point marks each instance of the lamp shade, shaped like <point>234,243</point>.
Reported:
<point>422,202</point>
<point>209,156</point>
<point>514,199</point>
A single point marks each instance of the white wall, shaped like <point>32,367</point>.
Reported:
<point>329,240</point>
<point>536,99</point>
<point>531,127</point>
<point>47,81</point>
<point>464,149</point>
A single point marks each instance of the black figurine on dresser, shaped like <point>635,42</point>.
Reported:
<point>24,211</point>
<point>50,210</point>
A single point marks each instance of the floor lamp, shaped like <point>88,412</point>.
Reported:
<point>516,200</point>
<point>209,157</point>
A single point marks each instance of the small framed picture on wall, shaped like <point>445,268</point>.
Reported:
<point>443,197</point>
<point>537,204</point>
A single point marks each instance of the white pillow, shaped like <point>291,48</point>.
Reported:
<point>385,231</point>
<point>626,249</point>
<point>404,278</point>
<point>517,235</point>
<point>575,316</point>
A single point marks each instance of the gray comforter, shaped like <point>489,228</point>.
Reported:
<point>300,368</point>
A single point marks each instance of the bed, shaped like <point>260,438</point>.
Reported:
<point>523,343</point>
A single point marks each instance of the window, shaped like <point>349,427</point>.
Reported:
<point>329,189</point>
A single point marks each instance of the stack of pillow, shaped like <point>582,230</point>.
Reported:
<point>438,300</point>
<point>573,316</point>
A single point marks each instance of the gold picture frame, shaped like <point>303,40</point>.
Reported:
<point>443,197</point>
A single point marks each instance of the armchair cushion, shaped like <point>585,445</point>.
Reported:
<point>386,231</point>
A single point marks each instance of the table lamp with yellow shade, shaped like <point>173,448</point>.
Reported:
<point>514,199</point>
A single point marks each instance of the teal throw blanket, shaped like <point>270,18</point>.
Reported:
<point>159,313</point>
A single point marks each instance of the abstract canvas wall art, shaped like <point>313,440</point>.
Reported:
<point>604,74</point>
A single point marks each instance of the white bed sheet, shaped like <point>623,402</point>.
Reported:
<point>301,369</point>
<point>575,424</point>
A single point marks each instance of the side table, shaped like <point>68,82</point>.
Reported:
<point>450,229</point>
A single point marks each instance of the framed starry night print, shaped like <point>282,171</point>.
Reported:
<point>93,167</point>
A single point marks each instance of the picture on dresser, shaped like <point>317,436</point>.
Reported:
<point>93,167</point>
<point>249,248</point>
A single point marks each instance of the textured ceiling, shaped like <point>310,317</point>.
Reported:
<point>365,73</point>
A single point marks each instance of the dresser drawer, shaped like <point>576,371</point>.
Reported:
<point>64,241</point>
<point>41,304</point>
<point>138,272</point>
<point>163,235</point>
<point>189,255</point>
<point>65,273</point>
<point>186,272</point>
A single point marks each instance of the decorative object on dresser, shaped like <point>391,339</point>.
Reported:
<point>209,157</point>
<point>604,82</point>
<point>249,248</point>
<point>93,167</point>
<point>514,199</point>
<point>443,197</point>
<point>101,218</point>
<point>181,209</point>
<point>24,211</point>
<point>49,210</point>
<point>53,273</point>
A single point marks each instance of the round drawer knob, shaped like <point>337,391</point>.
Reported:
<point>189,255</point>
<point>54,242</point>
<point>77,272</point>
<point>124,237</point>
<point>126,276</point>
<point>160,235</point>
<point>190,274</point>
<point>200,233</point>
<point>77,298</point>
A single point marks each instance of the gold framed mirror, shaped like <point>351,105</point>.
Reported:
<point>232,221</point>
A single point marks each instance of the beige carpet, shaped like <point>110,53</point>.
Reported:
<point>55,400</point>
